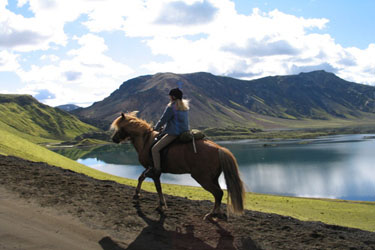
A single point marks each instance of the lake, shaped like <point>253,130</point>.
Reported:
<point>340,166</point>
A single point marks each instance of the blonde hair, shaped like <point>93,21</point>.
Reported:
<point>181,104</point>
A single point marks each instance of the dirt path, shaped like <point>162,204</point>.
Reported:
<point>103,215</point>
<point>27,225</point>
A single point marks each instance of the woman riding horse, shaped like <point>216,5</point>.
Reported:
<point>205,165</point>
<point>176,118</point>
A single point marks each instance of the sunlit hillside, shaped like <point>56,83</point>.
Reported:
<point>25,116</point>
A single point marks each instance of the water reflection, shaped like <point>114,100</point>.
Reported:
<point>134,171</point>
<point>329,167</point>
<point>338,169</point>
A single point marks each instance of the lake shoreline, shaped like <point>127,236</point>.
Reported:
<point>269,135</point>
<point>319,158</point>
<point>300,133</point>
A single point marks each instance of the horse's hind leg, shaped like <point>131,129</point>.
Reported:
<point>213,187</point>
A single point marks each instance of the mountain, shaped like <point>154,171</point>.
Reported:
<point>67,107</point>
<point>218,101</point>
<point>25,116</point>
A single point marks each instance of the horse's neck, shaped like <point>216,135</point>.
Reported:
<point>142,143</point>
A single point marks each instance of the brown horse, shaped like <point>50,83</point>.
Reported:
<point>205,166</point>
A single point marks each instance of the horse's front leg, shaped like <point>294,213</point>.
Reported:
<point>141,178</point>
<point>162,204</point>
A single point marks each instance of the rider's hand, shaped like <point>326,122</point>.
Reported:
<point>157,130</point>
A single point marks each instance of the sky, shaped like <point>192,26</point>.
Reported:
<point>80,51</point>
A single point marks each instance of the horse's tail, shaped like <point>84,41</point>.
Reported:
<point>235,187</point>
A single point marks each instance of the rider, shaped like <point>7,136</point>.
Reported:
<point>176,118</point>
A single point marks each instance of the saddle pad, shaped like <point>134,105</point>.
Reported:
<point>188,136</point>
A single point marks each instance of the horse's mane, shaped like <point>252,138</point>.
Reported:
<point>132,121</point>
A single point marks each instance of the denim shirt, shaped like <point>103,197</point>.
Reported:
<point>177,121</point>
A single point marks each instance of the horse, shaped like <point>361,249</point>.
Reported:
<point>204,165</point>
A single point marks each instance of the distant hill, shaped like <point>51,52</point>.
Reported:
<point>25,116</point>
<point>218,101</point>
<point>68,107</point>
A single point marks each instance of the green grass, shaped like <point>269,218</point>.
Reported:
<point>36,139</point>
<point>344,213</point>
<point>38,122</point>
<point>338,212</point>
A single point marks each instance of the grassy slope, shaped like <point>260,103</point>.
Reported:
<point>38,122</point>
<point>36,139</point>
<point>344,213</point>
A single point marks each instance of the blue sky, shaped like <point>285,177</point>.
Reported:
<point>79,51</point>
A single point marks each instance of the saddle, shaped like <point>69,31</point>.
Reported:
<point>185,137</point>
<point>191,135</point>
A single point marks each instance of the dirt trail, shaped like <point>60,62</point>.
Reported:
<point>102,214</point>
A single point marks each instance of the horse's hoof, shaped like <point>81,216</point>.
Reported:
<point>215,217</point>
<point>208,217</point>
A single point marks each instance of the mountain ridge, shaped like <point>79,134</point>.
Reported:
<point>221,101</point>
<point>68,107</point>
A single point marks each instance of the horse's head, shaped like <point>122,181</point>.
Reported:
<point>127,126</point>
<point>120,129</point>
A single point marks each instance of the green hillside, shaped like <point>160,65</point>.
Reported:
<point>25,116</point>
<point>11,144</point>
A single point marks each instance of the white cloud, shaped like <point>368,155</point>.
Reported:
<point>11,38</point>
<point>363,68</point>
<point>8,61</point>
<point>262,48</point>
<point>196,35</point>
<point>169,18</point>
<point>52,58</point>
<point>180,13</point>
<point>88,76</point>
<point>257,45</point>
<point>234,44</point>
<point>72,75</point>
<point>27,34</point>
<point>108,15</point>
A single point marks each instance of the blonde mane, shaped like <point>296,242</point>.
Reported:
<point>132,123</point>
